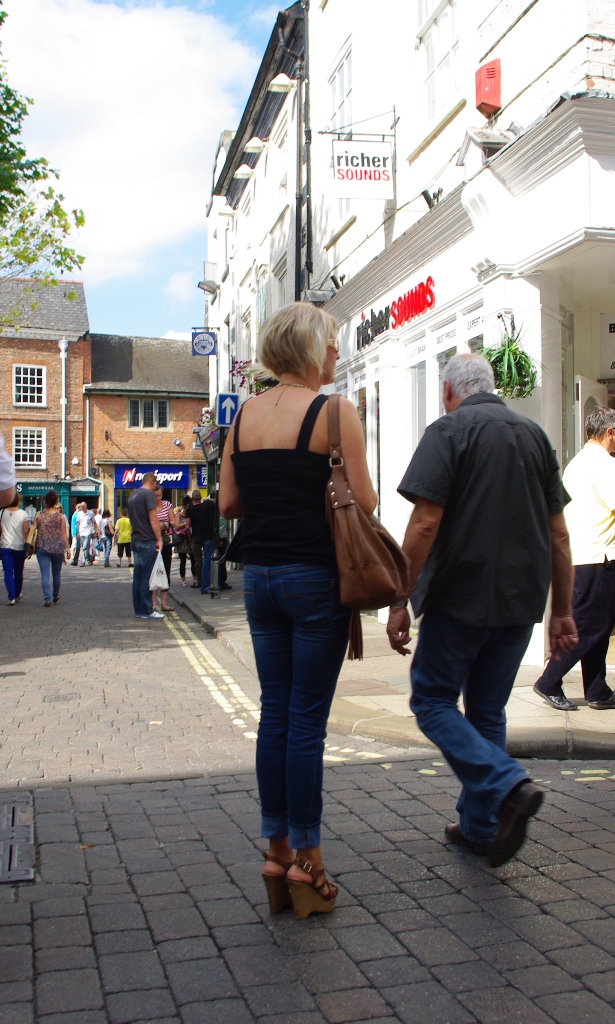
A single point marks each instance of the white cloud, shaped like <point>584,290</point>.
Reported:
<point>178,335</point>
<point>129,106</point>
<point>181,286</point>
<point>266,16</point>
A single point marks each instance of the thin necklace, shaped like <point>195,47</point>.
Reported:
<point>291,384</point>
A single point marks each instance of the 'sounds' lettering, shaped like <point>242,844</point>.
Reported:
<point>413,303</point>
<point>362,167</point>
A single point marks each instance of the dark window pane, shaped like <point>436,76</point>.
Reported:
<point>163,414</point>
<point>148,413</point>
<point>134,419</point>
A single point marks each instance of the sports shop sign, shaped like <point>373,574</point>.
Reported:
<point>130,477</point>
<point>363,170</point>
<point>403,309</point>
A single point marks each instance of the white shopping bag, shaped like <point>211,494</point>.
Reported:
<point>158,579</point>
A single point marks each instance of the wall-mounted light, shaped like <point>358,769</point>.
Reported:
<point>209,287</point>
<point>432,199</point>
<point>255,145</point>
<point>107,435</point>
<point>281,83</point>
<point>75,461</point>
<point>176,442</point>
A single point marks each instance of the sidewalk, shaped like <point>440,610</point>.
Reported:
<point>372,695</point>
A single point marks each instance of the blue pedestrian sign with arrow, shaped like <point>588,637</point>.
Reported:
<point>226,408</point>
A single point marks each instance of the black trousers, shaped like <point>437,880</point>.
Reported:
<point>593,608</point>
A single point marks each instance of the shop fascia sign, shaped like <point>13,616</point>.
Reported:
<point>363,170</point>
<point>413,303</point>
<point>166,476</point>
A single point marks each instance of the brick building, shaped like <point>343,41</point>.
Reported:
<point>44,348</point>
<point>143,399</point>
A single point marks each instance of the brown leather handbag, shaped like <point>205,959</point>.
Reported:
<point>373,569</point>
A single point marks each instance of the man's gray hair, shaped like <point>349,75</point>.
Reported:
<point>469,374</point>
<point>598,422</point>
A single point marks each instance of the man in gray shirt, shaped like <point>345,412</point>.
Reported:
<point>146,542</point>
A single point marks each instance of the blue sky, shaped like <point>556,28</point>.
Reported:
<point>130,98</point>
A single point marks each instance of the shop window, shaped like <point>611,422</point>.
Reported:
<point>418,383</point>
<point>280,279</point>
<point>443,358</point>
<point>29,446</point>
<point>148,413</point>
<point>30,385</point>
<point>476,345</point>
<point>438,35</point>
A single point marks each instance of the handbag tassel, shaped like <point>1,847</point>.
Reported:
<point>355,636</point>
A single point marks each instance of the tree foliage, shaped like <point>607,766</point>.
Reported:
<point>34,226</point>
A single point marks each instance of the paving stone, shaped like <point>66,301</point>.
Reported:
<point>368,942</point>
<point>170,901</point>
<point>280,999</point>
<point>156,883</point>
<point>117,918</point>
<point>602,933</point>
<point>16,964</point>
<point>179,950</point>
<point>15,935</point>
<point>541,981</point>
<point>123,972</point>
<point>602,984</point>
<point>65,959</point>
<point>509,956</point>
<point>62,931</point>
<point>478,929</point>
<point>362,883</point>
<point>345,1007</point>
<point>246,935</point>
<point>68,906</point>
<point>467,977</point>
<point>219,1011</point>
<point>82,1017</point>
<point>503,1006</point>
<point>426,1001</point>
<point>16,992</point>
<point>397,971</point>
<point>330,971</point>
<point>407,920</point>
<point>227,912</point>
<point>123,942</point>
<point>577,1007</point>
<point>198,980</point>
<point>268,967</point>
<point>16,1013</point>
<point>308,1017</point>
<point>433,946</point>
<point>583,959</point>
<point>176,924</point>
<point>544,934</point>
<point>570,911</point>
<point>67,991</point>
<point>134,1006</point>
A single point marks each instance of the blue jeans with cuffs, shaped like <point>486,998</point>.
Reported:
<point>300,633</point>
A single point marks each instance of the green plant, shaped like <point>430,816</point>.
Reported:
<point>515,372</point>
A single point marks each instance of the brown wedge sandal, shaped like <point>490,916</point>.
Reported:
<point>277,886</point>
<point>309,897</point>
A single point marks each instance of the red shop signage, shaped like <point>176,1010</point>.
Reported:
<point>416,301</point>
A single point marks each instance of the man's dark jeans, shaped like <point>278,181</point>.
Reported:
<point>481,663</point>
<point>593,609</point>
<point>144,556</point>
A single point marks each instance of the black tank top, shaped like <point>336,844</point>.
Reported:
<point>283,492</point>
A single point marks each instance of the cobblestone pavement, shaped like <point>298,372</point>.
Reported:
<point>148,905</point>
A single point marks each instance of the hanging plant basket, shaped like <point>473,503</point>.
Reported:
<point>515,372</point>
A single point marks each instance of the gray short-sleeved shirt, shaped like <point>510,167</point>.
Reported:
<point>139,504</point>
<point>496,476</point>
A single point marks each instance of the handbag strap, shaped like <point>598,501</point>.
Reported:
<point>338,490</point>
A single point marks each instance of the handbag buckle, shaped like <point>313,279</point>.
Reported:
<point>336,460</point>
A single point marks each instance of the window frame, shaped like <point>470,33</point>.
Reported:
<point>156,403</point>
<point>30,366</point>
<point>436,59</point>
<point>343,67</point>
<point>42,464</point>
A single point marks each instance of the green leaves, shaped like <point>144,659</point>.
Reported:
<point>515,372</point>
<point>34,226</point>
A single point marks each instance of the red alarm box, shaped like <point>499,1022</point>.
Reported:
<point>488,88</point>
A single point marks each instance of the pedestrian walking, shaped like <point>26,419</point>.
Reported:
<point>223,583</point>
<point>30,510</point>
<point>107,534</point>
<point>7,475</point>
<point>200,520</point>
<point>485,538</point>
<point>77,517</point>
<point>589,479</point>
<point>167,520</point>
<point>87,533</point>
<point>14,529</point>
<point>123,532</point>
<point>182,542</point>
<point>275,471</point>
<point>52,546</point>
<point>146,542</point>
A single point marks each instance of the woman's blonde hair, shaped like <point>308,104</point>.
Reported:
<point>295,339</point>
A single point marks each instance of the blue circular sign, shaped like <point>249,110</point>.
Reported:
<point>204,344</point>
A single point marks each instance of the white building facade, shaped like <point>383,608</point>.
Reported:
<point>514,215</point>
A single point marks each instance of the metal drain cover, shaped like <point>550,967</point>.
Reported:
<point>17,850</point>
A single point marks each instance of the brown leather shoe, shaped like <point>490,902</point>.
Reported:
<point>454,833</point>
<point>522,802</point>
